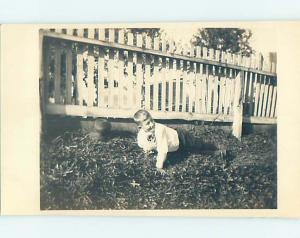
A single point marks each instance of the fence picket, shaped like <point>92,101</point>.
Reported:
<point>197,88</point>
<point>147,83</point>
<point>222,91</point>
<point>252,92</point>
<point>178,82</point>
<point>215,90</point>
<point>124,97</point>
<point>69,31</point>
<point>91,86</point>
<point>266,91</point>
<point>261,96</point>
<point>91,33</point>
<point>170,77</point>
<point>80,32</point>
<point>101,34</point>
<point>111,69</point>
<point>100,96</point>
<point>258,79</point>
<point>269,100</point>
<point>111,35</point>
<point>131,92</point>
<point>79,76</point>
<point>69,74</point>
<point>205,89</point>
<point>184,87</point>
<point>163,85</point>
<point>274,102</point>
<point>57,73</point>
<point>139,73</point>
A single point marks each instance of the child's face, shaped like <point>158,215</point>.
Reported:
<point>147,125</point>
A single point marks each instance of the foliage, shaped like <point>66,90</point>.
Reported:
<point>233,40</point>
<point>80,173</point>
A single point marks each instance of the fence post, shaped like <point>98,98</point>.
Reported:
<point>238,105</point>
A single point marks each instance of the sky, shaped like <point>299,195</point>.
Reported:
<point>263,39</point>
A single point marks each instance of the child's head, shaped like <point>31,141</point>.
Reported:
<point>144,120</point>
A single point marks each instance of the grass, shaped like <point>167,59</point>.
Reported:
<point>80,173</point>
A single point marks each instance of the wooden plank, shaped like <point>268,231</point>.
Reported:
<point>257,79</point>
<point>184,87</point>
<point>163,84</point>
<point>150,51</point>
<point>79,76</point>
<point>131,77</point>
<point>163,43</point>
<point>147,82</point>
<point>262,90</point>
<point>101,34</point>
<point>266,92</point>
<point>75,110</point>
<point>205,89</point>
<point>217,56</point>
<point>178,79</point>
<point>111,74</point>
<point>260,120</point>
<point>171,76</point>
<point>57,75</point>
<point>198,87</point>
<point>139,73</point>
<point>91,85</point>
<point>211,80</point>
<point>69,31</point>
<point>101,70</point>
<point>191,94</point>
<point>121,36</point>
<point>91,33</point>
<point>46,67</point>
<point>69,74</point>
<point>269,100</point>
<point>245,93</point>
<point>250,93</point>
<point>204,50</point>
<point>199,71</point>
<point>222,92</point>
<point>215,90</point>
<point>80,32</point>
<point>274,102</point>
<point>123,96</point>
<point>238,106</point>
<point>111,35</point>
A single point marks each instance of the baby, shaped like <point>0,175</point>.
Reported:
<point>163,139</point>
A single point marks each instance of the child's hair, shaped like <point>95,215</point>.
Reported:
<point>141,115</point>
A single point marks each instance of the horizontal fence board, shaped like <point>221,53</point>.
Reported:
<point>84,111</point>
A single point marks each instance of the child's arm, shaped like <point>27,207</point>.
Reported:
<point>162,149</point>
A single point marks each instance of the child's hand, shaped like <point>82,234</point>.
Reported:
<point>161,171</point>
<point>148,152</point>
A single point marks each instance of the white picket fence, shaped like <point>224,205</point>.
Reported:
<point>112,73</point>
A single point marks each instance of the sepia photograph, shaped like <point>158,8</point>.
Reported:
<point>158,118</point>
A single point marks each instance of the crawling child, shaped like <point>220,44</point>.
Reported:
<point>155,136</point>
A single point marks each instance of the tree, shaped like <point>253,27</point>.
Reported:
<point>233,40</point>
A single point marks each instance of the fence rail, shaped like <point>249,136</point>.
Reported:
<point>104,72</point>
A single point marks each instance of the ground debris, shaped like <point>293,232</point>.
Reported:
<point>80,173</point>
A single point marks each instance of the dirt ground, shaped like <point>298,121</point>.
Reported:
<point>80,173</point>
